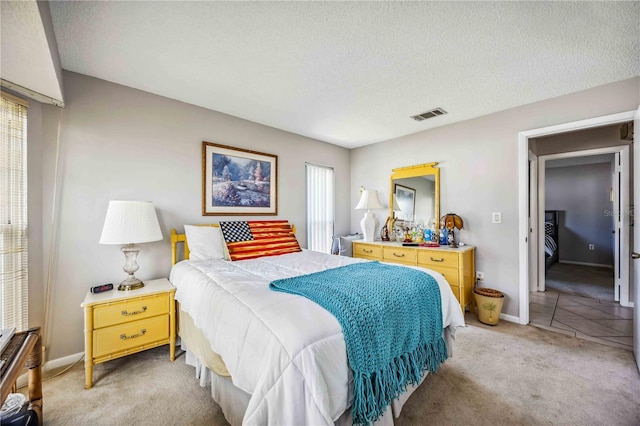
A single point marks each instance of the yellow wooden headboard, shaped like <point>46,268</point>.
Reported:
<point>182,238</point>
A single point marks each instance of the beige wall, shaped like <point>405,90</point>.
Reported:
<point>479,171</point>
<point>122,143</point>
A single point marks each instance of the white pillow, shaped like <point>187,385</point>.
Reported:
<point>205,242</point>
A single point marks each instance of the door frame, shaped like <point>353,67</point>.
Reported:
<point>621,250</point>
<point>523,191</point>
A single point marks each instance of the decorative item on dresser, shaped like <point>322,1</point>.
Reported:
<point>129,223</point>
<point>117,324</point>
<point>451,222</point>
<point>456,264</point>
<point>369,200</point>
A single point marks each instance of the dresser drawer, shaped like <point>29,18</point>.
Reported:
<point>114,339</point>
<point>432,258</point>
<point>450,274</point>
<point>367,251</point>
<point>130,310</point>
<point>399,255</point>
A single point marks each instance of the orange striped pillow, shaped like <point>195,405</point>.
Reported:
<point>257,238</point>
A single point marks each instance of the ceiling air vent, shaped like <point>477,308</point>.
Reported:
<point>429,114</point>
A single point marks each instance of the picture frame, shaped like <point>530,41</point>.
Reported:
<point>238,181</point>
<point>406,199</point>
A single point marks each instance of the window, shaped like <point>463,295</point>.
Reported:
<point>13,213</point>
<point>320,207</point>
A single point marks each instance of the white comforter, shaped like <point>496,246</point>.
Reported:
<point>283,349</point>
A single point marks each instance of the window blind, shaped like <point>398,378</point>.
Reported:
<point>13,213</point>
<point>320,207</point>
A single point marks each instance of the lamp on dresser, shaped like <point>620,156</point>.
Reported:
<point>369,200</point>
<point>130,223</point>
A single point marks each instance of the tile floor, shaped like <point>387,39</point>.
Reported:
<point>597,320</point>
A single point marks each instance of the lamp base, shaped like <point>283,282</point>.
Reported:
<point>131,255</point>
<point>131,283</point>
<point>368,224</point>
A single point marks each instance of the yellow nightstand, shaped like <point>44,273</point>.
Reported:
<point>119,323</point>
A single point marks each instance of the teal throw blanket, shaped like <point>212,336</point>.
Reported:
<point>391,318</point>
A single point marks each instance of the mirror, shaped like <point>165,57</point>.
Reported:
<point>417,194</point>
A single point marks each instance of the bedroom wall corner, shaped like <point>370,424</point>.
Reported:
<point>123,143</point>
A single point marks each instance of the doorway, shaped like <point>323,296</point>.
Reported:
<point>582,211</point>
<point>579,289</point>
<point>524,218</point>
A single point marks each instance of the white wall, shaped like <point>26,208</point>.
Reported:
<point>479,171</point>
<point>122,143</point>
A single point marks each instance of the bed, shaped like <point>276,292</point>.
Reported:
<point>270,357</point>
<point>551,223</point>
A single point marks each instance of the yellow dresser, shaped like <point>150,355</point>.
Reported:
<point>119,323</point>
<point>456,264</point>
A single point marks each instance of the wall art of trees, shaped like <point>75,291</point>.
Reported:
<point>240,182</point>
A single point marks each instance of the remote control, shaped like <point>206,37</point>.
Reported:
<point>102,287</point>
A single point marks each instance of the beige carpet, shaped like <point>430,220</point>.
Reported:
<point>503,375</point>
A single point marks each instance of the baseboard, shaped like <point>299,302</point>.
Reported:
<point>62,362</point>
<point>52,365</point>
<point>599,265</point>
<point>510,318</point>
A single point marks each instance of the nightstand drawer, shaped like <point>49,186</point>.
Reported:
<point>434,258</point>
<point>400,255</point>
<point>130,310</point>
<point>121,337</point>
<point>367,251</point>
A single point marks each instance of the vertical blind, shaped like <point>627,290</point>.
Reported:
<point>320,207</point>
<point>13,213</point>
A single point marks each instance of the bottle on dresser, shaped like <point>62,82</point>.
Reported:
<point>443,236</point>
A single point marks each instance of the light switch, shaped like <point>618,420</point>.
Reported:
<point>496,217</point>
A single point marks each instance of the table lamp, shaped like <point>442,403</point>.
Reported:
<point>451,221</point>
<point>369,200</point>
<point>130,223</point>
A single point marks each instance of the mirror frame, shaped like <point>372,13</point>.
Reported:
<point>417,171</point>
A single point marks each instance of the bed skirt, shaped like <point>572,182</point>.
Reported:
<point>234,401</point>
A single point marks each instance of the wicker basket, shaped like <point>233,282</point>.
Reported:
<point>489,304</point>
<point>488,292</point>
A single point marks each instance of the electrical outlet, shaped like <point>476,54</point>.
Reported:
<point>496,217</point>
<point>480,276</point>
<point>592,247</point>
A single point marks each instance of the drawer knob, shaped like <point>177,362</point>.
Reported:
<point>436,260</point>
<point>367,251</point>
<point>126,313</point>
<point>133,336</point>
<point>398,255</point>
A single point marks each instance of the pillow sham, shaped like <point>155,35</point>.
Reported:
<point>257,238</point>
<point>205,242</point>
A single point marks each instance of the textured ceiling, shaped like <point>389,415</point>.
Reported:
<point>351,73</point>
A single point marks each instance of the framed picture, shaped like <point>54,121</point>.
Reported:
<point>406,198</point>
<point>238,181</point>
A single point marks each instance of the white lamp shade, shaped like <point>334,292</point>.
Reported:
<point>396,207</point>
<point>130,222</point>
<point>369,200</point>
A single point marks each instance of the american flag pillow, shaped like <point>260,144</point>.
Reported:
<point>257,238</point>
